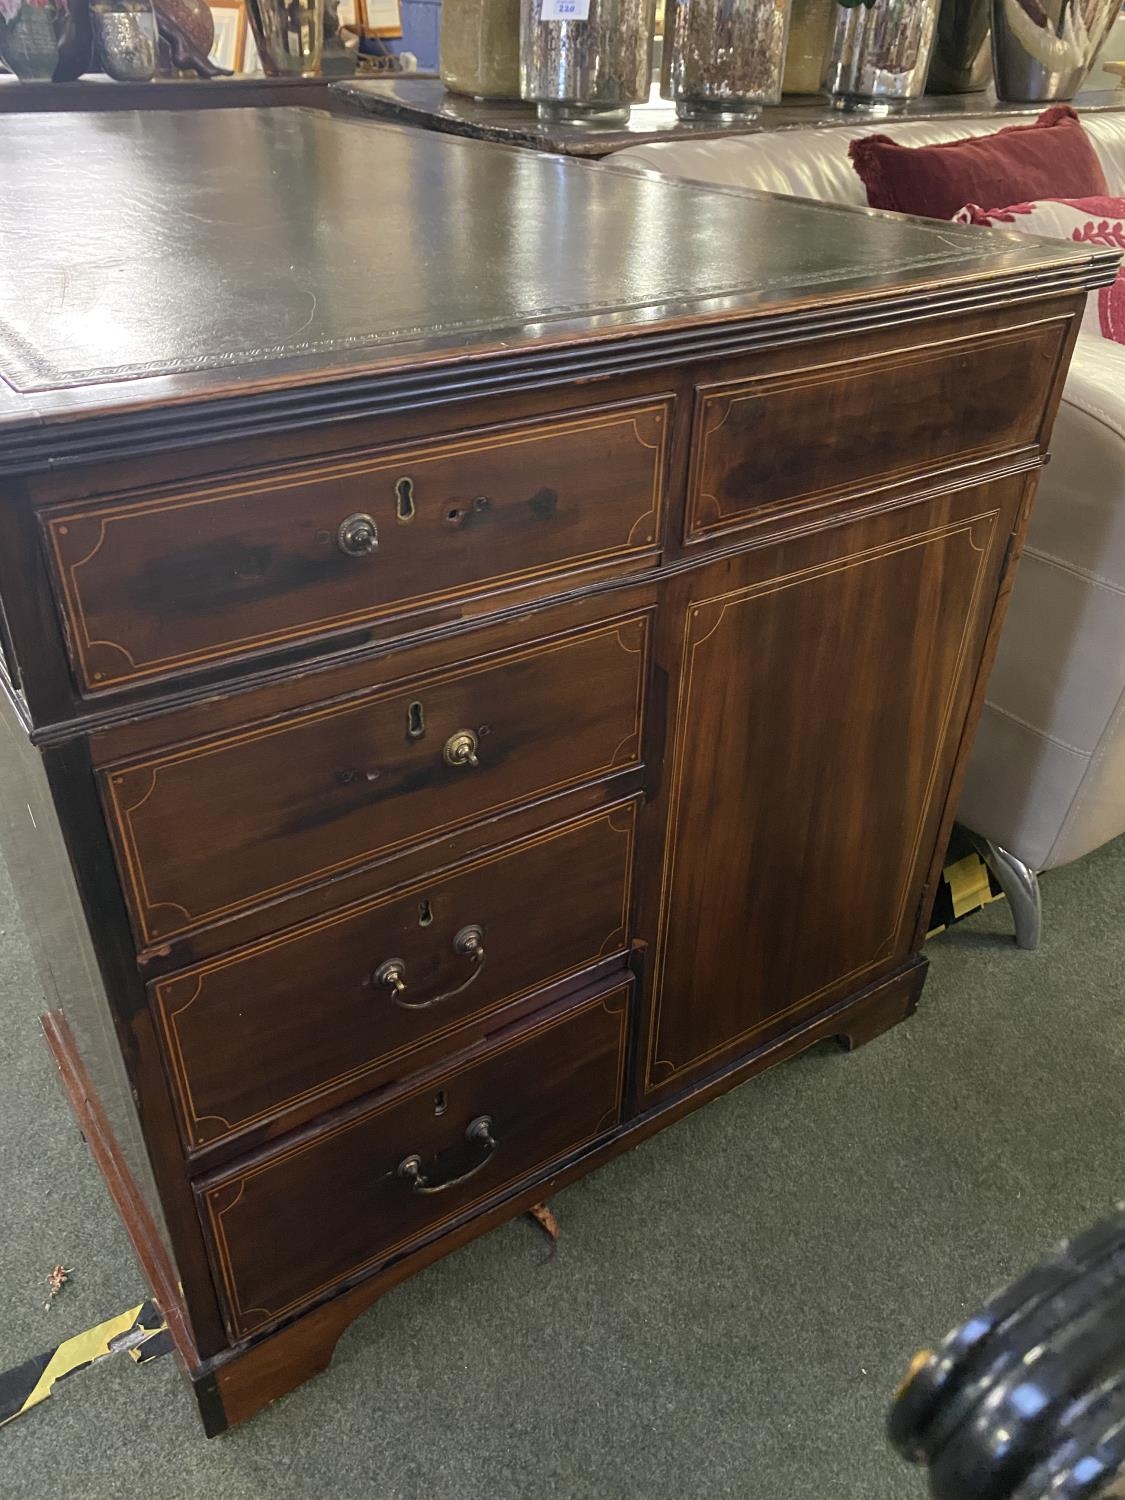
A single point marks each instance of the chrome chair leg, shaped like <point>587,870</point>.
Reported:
<point>1021,886</point>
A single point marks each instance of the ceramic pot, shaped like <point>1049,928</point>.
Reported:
<point>1043,49</point>
<point>962,60</point>
<point>881,53</point>
<point>811,25</point>
<point>190,19</point>
<point>480,48</point>
<point>45,40</point>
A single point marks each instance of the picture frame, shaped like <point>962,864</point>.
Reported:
<point>229,47</point>
<point>378,17</point>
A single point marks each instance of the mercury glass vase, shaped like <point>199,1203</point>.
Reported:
<point>125,39</point>
<point>480,48</point>
<point>881,53</point>
<point>1043,49</point>
<point>723,59</point>
<point>586,60</point>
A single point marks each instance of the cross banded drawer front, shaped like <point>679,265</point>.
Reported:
<point>208,830</point>
<point>297,1222</point>
<point>170,582</point>
<point>768,443</point>
<point>276,1027</point>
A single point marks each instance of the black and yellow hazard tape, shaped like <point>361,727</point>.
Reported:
<point>140,1332</point>
<point>966,885</point>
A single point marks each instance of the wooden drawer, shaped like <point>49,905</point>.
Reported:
<point>175,581</point>
<point>284,1024</point>
<point>773,443</point>
<point>207,830</point>
<point>299,1220</point>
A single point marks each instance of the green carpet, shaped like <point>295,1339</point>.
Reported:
<point>731,1304</point>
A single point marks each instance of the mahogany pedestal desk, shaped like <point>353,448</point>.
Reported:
<point>466,617</point>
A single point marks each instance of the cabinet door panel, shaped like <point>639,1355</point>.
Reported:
<point>818,693</point>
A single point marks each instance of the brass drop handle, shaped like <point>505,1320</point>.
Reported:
<point>479,1143</point>
<point>461,749</point>
<point>357,535</point>
<point>467,943</point>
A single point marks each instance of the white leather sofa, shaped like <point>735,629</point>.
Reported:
<point>1046,781</point>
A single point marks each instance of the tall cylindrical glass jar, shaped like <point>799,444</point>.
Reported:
<point>480,48</point>
<point>881,53</point>
<point>811,24</point>
<point>586,60</point>
<point>723,58</point>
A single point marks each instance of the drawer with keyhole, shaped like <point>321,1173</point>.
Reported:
<point>233,821</point>
<point>168,583</point>
<point>289,1225</point>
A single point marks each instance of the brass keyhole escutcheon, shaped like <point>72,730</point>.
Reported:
<point>357,535</point>
<point>404,499</point>
<point>461,749</point>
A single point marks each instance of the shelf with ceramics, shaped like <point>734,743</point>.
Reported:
<point>138,41</point>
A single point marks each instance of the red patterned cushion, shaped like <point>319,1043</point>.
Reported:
<point>1092,221</point>
<point>1052,158</point>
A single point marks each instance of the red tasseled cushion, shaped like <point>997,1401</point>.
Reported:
<point>1053,158</point>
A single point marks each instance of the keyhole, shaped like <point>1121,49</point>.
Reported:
<point>404,499</point>
<point>415,721</point>
<point>439,1102</point>
<point>425,914</point>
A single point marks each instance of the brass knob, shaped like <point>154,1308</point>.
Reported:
<point>357,535</point>
<point>461,749</point>
<point>392,974</point>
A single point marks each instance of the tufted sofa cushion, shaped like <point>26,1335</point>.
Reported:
<point>1047,774</point>
<point>815,164</point>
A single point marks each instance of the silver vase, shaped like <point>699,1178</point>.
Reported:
<point>125,39</point>
<point>962,60</point>
<point>1043,49</point>
<point>881,54</point>
<point>723,59</point>
<point>592,67</point>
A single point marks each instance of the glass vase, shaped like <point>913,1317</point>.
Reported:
<point>881,53</point>
<point>289,36</point>
<point>586,60</point>
<point>480,48</point>
<point>723,59</point>
<point>125,39</point>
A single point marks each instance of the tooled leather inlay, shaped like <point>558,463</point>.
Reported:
<point>278,244</point>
